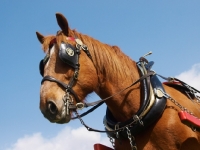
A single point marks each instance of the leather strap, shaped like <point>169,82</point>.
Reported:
<point>66,86</point>
<point>103,100</point>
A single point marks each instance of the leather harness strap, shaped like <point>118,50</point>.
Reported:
<point>98,103</point>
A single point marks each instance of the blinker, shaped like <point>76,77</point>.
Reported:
<point>42,64</point>
<point>68,54</point>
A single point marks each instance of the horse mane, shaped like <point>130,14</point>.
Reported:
<point>110,60</point>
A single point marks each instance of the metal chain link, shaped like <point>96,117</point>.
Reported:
<point>81,120</point>
<point>112,141</point>
<point>184,109</point>
<point>131,139</point>
<point>180,106</point>
<point>198,98</point>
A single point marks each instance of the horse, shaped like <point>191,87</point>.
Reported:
<point>142,113</point>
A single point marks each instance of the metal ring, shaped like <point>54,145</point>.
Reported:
<point>80,106</point>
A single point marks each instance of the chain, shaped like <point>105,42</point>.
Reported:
<point>180,106</point>
<point>193,92</point>
<point>198,98</point>
<point>112,141</point>
<point>183,108</point>
<point>131,139</point>
<point>81,120</point>
<point>162,93</point>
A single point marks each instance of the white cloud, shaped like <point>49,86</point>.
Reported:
<point>67,139</point>
<point>191,76</point>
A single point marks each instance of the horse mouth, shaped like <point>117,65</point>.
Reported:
<point>64,117</point>
<point>62,120</point>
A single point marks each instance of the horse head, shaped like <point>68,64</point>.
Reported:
<point>68,73</point>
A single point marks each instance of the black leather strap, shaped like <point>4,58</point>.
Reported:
<point>66,86</point>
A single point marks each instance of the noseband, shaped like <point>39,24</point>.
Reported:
<point>69,55</point>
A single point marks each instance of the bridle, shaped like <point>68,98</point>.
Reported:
<point>69,55</point>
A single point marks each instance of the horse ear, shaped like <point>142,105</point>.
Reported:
<point>62,22</point>
<point>40,37</point>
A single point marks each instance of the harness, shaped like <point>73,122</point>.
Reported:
<point>151,109</point>
<point>153,95</point>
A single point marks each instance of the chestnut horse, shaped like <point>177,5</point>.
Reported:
<point>138,116</point>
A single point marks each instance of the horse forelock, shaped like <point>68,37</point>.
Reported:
<point>46,42</point>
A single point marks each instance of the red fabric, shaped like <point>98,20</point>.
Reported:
<point>70,38</point>
<point>101,147</point>
<point>174,82</point>
<point>189,119</point>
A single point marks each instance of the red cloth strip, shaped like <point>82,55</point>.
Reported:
<point>101,147</point>
<point>188,119</point>
<point>70,38</point>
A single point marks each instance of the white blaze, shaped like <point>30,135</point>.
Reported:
<point>52,50</point>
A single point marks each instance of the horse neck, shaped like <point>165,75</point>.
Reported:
<point>116,71</point>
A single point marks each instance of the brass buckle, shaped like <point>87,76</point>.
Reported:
<point>80,106</point>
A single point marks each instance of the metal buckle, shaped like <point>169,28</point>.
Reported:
<point>84,47</point>
<point>80,106</point>
<point>76,73</point>
<point>78,46</point>
<point>137,119</point>
<point>68,100</point>
<point>79,42</point>
<point>117,128</point>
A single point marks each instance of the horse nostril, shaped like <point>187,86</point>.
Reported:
<point>52,108</point>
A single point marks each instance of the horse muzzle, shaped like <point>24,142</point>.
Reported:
<point>56,112</point>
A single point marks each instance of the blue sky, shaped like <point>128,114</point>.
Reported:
<point>170,29</point>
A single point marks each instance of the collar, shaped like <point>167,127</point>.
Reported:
<point>151,109</point>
